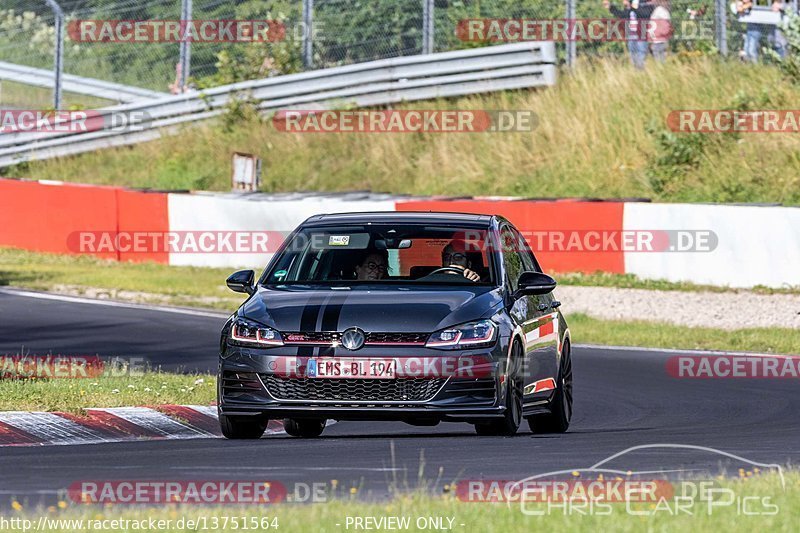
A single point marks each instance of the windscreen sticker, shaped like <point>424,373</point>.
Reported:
<point>338,240</point>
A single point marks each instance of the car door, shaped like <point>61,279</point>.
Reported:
<point>540,329</point>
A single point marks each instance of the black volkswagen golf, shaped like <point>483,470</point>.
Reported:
<point>414,317</point>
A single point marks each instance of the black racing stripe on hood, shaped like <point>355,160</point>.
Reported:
<point>308,322</point>
<point>330,318</point>
<point>333,311</point>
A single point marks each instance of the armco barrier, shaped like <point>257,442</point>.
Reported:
<point>382,82</point>
<point>755,245</point>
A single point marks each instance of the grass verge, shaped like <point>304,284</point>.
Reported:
<point>99,278</point>
<point>587,330</point>
<point>601,132</point>
<point>631,281</point>
<point>73,395</point>
<point>762,494</point>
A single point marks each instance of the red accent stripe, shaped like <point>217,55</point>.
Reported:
<point>11,436</point>
<point>193,418</point>
<point>98,424</point>
<point>544,385</point>
<point>395,343</point>
<point>546,329</point>
<point>115,423</point>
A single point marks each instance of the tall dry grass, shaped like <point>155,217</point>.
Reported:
<point>595,138</point>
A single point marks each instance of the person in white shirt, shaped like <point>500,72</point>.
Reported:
<point>659,38</point>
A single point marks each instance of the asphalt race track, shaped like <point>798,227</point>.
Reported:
<point>623,398</point>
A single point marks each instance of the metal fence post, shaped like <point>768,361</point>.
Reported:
<point>186,45</point>
<point>572,49</point>
<point>427,26</point>
<point>58,68</point>
<point>721,18</point>
<point>308,41</point>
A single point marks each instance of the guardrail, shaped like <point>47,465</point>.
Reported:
<point>76,84</point>
<point>387,81</point>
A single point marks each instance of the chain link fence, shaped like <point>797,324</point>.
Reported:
<point>317,34</point>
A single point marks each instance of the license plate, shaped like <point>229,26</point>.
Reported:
<point>344,368</point>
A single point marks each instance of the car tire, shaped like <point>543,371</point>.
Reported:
<point>509,424</point>
<point>242,427</point>
<point>558,419</point>
<point>307,429</point>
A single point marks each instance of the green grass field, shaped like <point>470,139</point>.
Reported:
<point>72,395</point>
<point>763,493</point>
<point>601,133</point>
<point>140,282</point>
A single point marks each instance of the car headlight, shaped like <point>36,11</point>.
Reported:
<point>249,333</point>
<point>470,334</point>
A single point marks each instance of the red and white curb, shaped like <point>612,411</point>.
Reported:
<point>114,424</point>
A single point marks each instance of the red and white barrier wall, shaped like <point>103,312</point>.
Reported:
<point>754,245</point>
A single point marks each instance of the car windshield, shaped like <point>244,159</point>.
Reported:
<point>385,254</point>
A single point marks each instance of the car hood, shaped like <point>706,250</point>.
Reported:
<point>420,309</point>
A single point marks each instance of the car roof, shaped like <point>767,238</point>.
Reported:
<point>400,217</point>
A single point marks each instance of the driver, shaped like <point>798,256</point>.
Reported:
<point>454,255</point>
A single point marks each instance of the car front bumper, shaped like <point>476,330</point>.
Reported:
<point>254,382</point>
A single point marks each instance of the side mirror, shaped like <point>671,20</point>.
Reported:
<point>532,283</point>
<point>242,281</point>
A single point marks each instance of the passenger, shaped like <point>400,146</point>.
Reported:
<point>374,266</point>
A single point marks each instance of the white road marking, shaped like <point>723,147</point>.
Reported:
<point>208,410</point>
<point>677,351</point>
<point>110,303</point>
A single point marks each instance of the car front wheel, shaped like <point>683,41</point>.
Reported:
<point>558,419</point>
<point>303,428</point>
<point>242,427</point>
<point>509,424</point>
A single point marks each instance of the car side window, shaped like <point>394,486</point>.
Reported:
<point>512,261</point>
<point>529,263</point>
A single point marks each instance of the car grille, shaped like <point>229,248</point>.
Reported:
<point>396,338</point>
<point>477,388</point>
<point>242,387</point>
<point>352,390</point>
<point>329,337</point>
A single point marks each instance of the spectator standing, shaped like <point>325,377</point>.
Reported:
<point>659,38</point>
<point>777,38</point>
<point>753,32</point>
<point>633,12</point>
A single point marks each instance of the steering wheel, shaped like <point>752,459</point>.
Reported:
<point>447,269</point>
